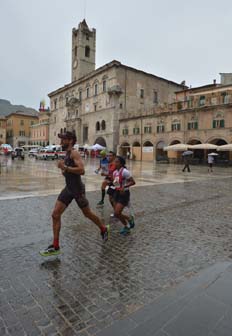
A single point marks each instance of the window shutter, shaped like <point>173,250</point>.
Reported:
<point>222,123</point>
<point>214,123</point>
<point>196,125</point>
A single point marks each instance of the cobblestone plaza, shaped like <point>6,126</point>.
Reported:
<point>183,226</point>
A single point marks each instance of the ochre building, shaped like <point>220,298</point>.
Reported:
<point>18,128</point>
<point>2,130</point>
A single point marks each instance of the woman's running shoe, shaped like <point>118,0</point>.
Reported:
<point>125,231</point>
<point>132,222</point>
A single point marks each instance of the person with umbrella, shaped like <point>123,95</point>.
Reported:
<point>211,161</point>
<point>186,156</point>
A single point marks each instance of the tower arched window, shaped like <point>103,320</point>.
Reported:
<point>61,130</point>
<point>87,51</point>
<point>97,126</point>
<point>103,125</point>
<point>75,51</point>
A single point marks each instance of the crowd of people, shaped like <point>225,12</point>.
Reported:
<point>117,180</point>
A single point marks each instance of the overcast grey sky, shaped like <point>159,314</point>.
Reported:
<point>174,39</point>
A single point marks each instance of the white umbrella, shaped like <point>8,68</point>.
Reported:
<point>225,148</point>
<point>178,147</point>
<point>204,146</point>
<point>97,147</point>
<point>188,152</point>
<point>213,154</point>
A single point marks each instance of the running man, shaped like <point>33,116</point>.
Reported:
<point>104,167</point>
<point>122,182</point>
<point>72,168</point>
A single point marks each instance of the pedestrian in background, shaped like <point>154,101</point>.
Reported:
<point>210,163</point>
<point>186,163</point>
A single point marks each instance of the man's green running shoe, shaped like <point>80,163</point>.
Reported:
<point>106,234</point>
<point>50,251</point>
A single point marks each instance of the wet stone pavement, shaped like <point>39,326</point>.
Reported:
<point>181,228</point>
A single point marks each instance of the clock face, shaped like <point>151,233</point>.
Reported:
<point>75,63</point>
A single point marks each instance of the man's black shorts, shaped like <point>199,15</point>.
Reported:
<point>66,197</point>
<point>122,197</point>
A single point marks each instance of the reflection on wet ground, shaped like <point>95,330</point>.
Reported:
<point>180,229</point>
<point>36,177</point>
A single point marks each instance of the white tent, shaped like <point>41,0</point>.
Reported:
<point>97,147</point>
<point>204,146</point>
<point>178,147</point>
<point>86,146</point>
<point>225,148</point>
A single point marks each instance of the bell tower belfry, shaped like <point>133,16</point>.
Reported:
<point>83,50</point>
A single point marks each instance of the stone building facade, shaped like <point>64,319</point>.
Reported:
<point>39,132</point>
<point>2,130</point>
<point>95,100</point>
<point>198,115</point>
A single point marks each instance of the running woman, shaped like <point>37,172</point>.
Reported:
<point>104,163</point>
<point>72,168</point>
<point>122,182</point>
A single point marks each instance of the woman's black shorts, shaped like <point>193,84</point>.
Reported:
<point>122,197</point>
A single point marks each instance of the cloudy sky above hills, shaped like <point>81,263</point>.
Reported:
<point>176,40</point>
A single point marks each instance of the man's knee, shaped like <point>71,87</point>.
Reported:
<point>56,215</point>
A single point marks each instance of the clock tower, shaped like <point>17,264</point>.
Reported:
<point>83,50</point>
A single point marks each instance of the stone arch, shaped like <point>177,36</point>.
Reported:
<point>219,141</point>
<point>148,144</point>
<point>125,144</point>
<point>160,153</point>
<point>194,141</point>
<point>100,141</point>
<point>198,154</point>
<point>136,144</point>
<point>124,147</point>
<point>174,142</point>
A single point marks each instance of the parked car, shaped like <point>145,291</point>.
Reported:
<point>45,154</point>
<point>33,152</point>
